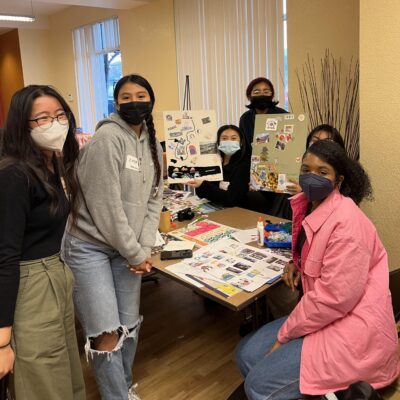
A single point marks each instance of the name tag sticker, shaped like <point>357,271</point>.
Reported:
<point>132,163</point>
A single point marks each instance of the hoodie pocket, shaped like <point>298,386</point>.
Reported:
<point>132,187</point>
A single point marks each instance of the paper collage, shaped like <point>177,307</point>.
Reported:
<point>191,146</point>
<point>203,232</point>
<point>278,145</point>
<point>233,263</point>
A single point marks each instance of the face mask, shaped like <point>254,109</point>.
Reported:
<point>229,147</point>
<point>53,138</point>
<point>261,102</point>
<point>135,112</point>
<point>315,187</point>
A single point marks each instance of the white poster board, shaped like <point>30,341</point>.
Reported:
<point>191,146</point>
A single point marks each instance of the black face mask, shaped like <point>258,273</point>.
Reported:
<point>135,112</point>
<point>315,187</point>
<point>261,102</point>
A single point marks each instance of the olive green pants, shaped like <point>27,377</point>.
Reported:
<point>47,364</point>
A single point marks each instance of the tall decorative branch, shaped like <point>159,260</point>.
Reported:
<point>328,101</point>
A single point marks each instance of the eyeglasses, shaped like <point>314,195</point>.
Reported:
<point>258,92</point>
<point>45,123</point>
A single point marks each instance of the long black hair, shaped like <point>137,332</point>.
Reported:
<point>356,183</point>
<point>239,155</point>
<point>19,148</point>
<point>139,80</point>
<point>333,134</point>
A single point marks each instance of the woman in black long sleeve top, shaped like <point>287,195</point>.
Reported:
<point>37,330</point>
<point>236,170</point>
<point>260,93</point>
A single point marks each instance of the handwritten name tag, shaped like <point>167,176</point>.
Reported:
<point>132,163</point>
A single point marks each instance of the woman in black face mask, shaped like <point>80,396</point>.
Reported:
<point>109,247</point>
<point>260,93</point>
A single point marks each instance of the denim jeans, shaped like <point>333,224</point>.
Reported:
<point>273,376</point>
<point>106,297</point>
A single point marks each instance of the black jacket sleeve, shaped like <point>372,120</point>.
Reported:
<point>236,193</point>
<point>246,125</point>
<point>14,207</point>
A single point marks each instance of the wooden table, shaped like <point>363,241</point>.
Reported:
<point>237,218</point>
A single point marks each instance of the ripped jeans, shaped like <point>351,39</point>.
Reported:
<point>106,297</point>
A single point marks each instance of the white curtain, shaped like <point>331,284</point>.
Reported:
<point>222,45</point>
<point>91,44</point>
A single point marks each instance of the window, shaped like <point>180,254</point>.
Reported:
<point>98,68</point>
<point>223,45</point>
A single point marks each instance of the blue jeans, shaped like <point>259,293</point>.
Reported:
<point>273,376</point>
<point>106,297</point>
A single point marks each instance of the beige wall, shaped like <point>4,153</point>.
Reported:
<point>11,78</point>
<point>379,109</point>
<point>315,25</point>
<point>36,56</point>
<point>147,46</point>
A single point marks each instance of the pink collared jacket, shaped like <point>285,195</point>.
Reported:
<point>345,314</point>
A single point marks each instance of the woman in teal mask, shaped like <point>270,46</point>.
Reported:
<point>232,190</point>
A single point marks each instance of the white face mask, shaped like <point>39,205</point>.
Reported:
<point>53,138</point>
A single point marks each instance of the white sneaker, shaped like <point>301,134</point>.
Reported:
<point>132,394</point>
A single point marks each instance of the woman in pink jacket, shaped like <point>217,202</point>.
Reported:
<point>342,330</point>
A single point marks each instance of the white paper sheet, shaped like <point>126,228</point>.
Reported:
<point>246,235</point>
<point>178,245</point>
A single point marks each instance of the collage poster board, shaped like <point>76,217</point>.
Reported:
<point>278,146</point>
<point>191,146</point>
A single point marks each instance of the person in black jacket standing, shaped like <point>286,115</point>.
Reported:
<point>236,170</point>
<point>260,92</point>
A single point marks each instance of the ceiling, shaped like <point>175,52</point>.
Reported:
<point>43,8</point>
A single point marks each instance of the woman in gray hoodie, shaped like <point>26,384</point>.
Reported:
<point>108,245</point>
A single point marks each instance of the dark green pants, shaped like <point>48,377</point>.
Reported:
<point>47,364</point>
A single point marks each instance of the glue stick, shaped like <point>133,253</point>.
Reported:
<point>260,231</point>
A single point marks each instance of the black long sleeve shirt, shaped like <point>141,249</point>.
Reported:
<point>28,230</point>
<point>238,175</point>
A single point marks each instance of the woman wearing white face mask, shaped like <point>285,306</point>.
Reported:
<point>236,170</point>
<point>38,191</point>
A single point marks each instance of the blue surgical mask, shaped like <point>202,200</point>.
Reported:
<point>229,147</point>
<point>315,187</point>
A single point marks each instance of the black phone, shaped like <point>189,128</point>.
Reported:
<point>175,254</point>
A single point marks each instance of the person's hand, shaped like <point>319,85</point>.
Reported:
<point>293,187</point>
<point>275,346</point>
<point>144,266</point>
<point>6,361</point>
<point>252,188</point>
<point>291,275</point>
<point>195,183</point>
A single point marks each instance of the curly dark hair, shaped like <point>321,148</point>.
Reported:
<point>356,183</point>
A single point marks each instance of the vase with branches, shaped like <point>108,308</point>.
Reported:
<point>330,96</point>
